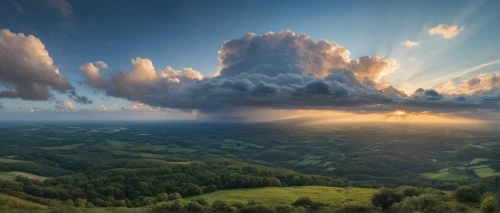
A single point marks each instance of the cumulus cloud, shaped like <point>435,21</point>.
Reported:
<point>282,71</point>
<point>27,71</point>
<point>101,64</point>
<point>143,79</point>
<point>64,105</point>
<point>446,31</point>
<point>93,76</point>
<point>287,52</point>
<point>103,107</point>
<point>411,44</point>
<point>486,84</point>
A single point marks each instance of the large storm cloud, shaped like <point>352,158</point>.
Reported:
<point>279,70</point>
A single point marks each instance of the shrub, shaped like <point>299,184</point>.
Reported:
<point>300,209</point>
<point>467,194</point>
<point>409,191</point>
<point>203,201</point>
<point>423,203</point>
<point>119,203</point>
<point>318,205</point>
<point>284,208</point>
<point>176,206</point>
<point>354,206</point>
<point>253,202</point>
<point>89,205</point>
<point>489,205</point>
<point>257,209</point>
<point>303,201</point>
<point>220,206</point>
<point>238,205</point>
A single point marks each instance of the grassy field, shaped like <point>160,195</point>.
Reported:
<point>448,175</point>
<point>484,171</point>
<point>8,160</point>
<point>20,204</point>
<point>477,160</point>
<point>287,195</point>
<point>12,176</point>
<point>65,147</point>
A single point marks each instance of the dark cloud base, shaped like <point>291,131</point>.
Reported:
<point>284,71</point>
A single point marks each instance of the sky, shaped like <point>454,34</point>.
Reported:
<point>219,60</point>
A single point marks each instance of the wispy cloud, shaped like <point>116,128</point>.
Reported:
<point>19,7</point>
<point>410,44</point>
<point>62,5</point>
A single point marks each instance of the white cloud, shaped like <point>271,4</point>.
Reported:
<point>93,75</point>
<point>101,64</point>
<point>446,31</point>
<point>143,79</point>
<point>483,84</point>
<point>410,44</point>
<point>103,107</point>
<point>26,68</point>
<point>65,105</point>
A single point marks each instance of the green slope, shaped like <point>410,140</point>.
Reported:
<point>287,195</point>
<point>19,204</point>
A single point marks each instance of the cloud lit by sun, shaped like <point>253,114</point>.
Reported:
<point>399,113</point>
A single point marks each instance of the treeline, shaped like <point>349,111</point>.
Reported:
<point>137,181</point>
<point>483,195</point>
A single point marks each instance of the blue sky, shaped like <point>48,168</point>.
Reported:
<point>190,33</point>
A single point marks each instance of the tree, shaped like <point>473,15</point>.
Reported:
<point>119,203</point>
<point>162,197</point>
<point>385,197</point>
<point>467,194</point>
<point>148,201</point>
<point>128,203</point>
<point>211,188</point>
<point>191,189</point>
<point>409,191</point>
<point>489,205</point>
<point>89,205</point>
<point>69,202</point>
<point>174,196</point>
<point>79,202</point>
<point>194,207</point>
<point>176,206</point>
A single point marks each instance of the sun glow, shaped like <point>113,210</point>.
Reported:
<point>399,112</point>
<point>327,116</point>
